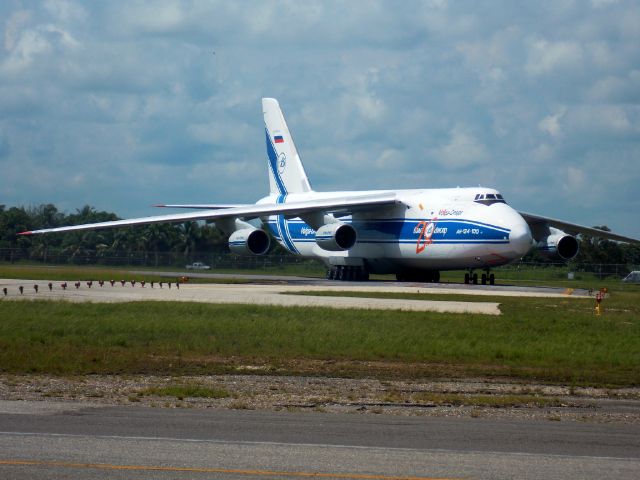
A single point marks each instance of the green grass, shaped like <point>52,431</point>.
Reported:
<point>29,271</point>
<point>95,273</point>
<point>72,273</point>
<point>558,340</point>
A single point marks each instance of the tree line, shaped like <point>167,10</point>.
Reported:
<point>183,238</point>
<point>190,237</point>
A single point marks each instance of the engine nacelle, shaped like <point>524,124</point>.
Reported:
<point>559,244</point>
<point>336,237</point>
<point>249,240</point>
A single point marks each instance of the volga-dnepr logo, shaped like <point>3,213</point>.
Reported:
<point>282,163</point>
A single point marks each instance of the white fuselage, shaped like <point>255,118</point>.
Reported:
<point>434,229</point>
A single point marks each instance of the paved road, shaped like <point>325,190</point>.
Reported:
<point>39,440</point>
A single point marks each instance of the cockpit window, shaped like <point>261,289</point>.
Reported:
<point>489,198</point>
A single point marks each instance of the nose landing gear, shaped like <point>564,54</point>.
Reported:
<point>472,277</point>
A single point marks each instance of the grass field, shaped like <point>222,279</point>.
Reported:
<point>96,273</point>
<point>543,339</point>
<point>556,340</point>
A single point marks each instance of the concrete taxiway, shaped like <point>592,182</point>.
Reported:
<point>382,285</point>
<point>80,441</point>
<point>281,291</point>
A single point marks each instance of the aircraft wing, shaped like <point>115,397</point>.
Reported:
<point>574,229</point>
<point>341,206</point>
<point>204,207</point>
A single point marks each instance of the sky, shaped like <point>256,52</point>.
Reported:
<point>125,104</point>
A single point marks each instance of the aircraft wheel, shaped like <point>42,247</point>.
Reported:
<point>475,278</point>
<point>340,274</point>
<point>492,279</point>
<point>484,279</point>
<point>328,275</point>
<point>436,276</point>
<point>466,278</point>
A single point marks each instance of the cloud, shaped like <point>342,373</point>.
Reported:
<point>616,89</point>
<point>136,100</point>
<point>462,150</point>
<point>65,11</point>
<point>548,57</point>
<point>551,123</point>
<point>576,181</point>
<point>13,26</point>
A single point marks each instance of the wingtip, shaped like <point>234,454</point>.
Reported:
<point>159,205</point>
<point>26,233</point>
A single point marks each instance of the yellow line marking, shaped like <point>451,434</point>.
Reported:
<point>151,468</point>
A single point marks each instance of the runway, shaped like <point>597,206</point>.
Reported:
<point>280,291</point>
<point>445,288</point>
<point>77,441</point>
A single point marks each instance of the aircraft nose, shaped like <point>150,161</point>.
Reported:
<point>520,237</point>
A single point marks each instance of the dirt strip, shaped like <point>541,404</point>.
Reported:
<point>462,398</point>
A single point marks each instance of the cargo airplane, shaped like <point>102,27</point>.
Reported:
<point>413,234</point>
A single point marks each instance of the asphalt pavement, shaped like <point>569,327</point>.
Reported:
<point>79,441</point>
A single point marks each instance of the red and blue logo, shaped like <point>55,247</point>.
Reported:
<point>278,139</point>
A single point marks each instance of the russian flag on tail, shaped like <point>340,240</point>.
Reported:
<point>278,139</point>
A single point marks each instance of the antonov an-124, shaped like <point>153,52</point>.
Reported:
<point>413,234</point>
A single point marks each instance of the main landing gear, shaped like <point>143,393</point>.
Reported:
<point>472,277</point>
<point>348,273</point>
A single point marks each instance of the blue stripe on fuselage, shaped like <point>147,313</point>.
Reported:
<point>283,228</point>
<point>449,231</point>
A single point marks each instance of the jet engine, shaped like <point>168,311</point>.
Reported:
<point>558,243</point>
<point>336,237</point>
<point>249,240</point>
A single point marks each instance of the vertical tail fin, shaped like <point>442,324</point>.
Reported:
<point>286,173</point>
